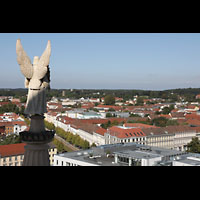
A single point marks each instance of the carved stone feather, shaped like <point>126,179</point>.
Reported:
<point>24,61</point>
<point>41,71</point>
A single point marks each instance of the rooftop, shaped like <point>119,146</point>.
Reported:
<point>104,155</point>
<point>12,149</point>
<point>126,132</point>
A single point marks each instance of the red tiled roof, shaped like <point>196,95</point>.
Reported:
<point>101,131</point>
<point>12,149</point>
<point>126,133</point>
<point>168,129</point>
<point>12,123</point>
<point>6,124</point>
<point>192,116</point>
<point>166,116</point>
<point>194,122</point>
<point>139,125</point>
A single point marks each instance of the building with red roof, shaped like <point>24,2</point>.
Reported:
<point>12,154</point>
<point>139,125</point>
<point>120,134</point>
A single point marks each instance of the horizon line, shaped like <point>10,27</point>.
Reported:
<point>102,89</point>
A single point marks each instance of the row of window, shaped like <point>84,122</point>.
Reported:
<point>62,163</point>
<point>159,138</point>
<point>13,164</point>
<point>131,134</point>
<point>126,160</point>
<point>185,135</point>
<point>133,140</point>
<point>13,158</point>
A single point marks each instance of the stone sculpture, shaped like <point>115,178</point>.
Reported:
<point>37,78</point>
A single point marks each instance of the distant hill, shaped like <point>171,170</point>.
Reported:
<point>190,93</point>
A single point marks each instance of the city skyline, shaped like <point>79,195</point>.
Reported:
<point>147,61</point>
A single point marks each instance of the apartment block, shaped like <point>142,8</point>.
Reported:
<point>13,154</point>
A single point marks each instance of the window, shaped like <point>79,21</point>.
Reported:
<point>131,134</point>
<point>67,164</point>
<point>126,134</point>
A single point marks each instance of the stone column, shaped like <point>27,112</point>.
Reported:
<point>37,139</point>
<point>36,155</point>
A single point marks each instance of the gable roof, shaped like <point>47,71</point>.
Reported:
<point>139,125</point>
<point>167,130</point>
<point>121,132</point>
<point>12,149</point>
<point>101,131</point>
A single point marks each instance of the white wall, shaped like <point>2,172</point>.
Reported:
<point>91,138</point>
<point>72,162</point>
<point>150,161</point>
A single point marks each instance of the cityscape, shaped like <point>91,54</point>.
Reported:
<point>107,130</point>
<point>141,117</point>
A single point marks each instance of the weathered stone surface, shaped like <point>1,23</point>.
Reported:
<point>37,78</point>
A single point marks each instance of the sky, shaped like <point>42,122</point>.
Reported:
<point>147,61</point>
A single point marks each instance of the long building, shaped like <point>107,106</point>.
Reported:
<point>13,154</point>
<point>172,137</point>
<point>128,154</point>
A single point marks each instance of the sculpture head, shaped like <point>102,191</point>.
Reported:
<point>35,60</point>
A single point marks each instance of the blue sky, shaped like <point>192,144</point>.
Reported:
<point>149,61</point>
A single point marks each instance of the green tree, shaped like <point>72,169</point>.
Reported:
<point>23,99</point>
<point>194,145</point>
<point>140,101</point>
<point>69,137</point>
<point>109,115</point>
<point>93,145</point>
<point>11,139</point>
<point>59,145</point>
<point>86,144</point>
<point>49,125</point>
<point>109,100</point>
<point>160,121</point>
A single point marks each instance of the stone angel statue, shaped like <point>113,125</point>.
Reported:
<point>37,78</point>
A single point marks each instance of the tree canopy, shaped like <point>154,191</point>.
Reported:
<point>109,100</point>
<point>194,145</point>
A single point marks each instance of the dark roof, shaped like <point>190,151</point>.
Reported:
<point>167,130</point>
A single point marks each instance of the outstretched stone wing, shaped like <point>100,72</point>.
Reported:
<point>24,61</point>
<point>43,62</point>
